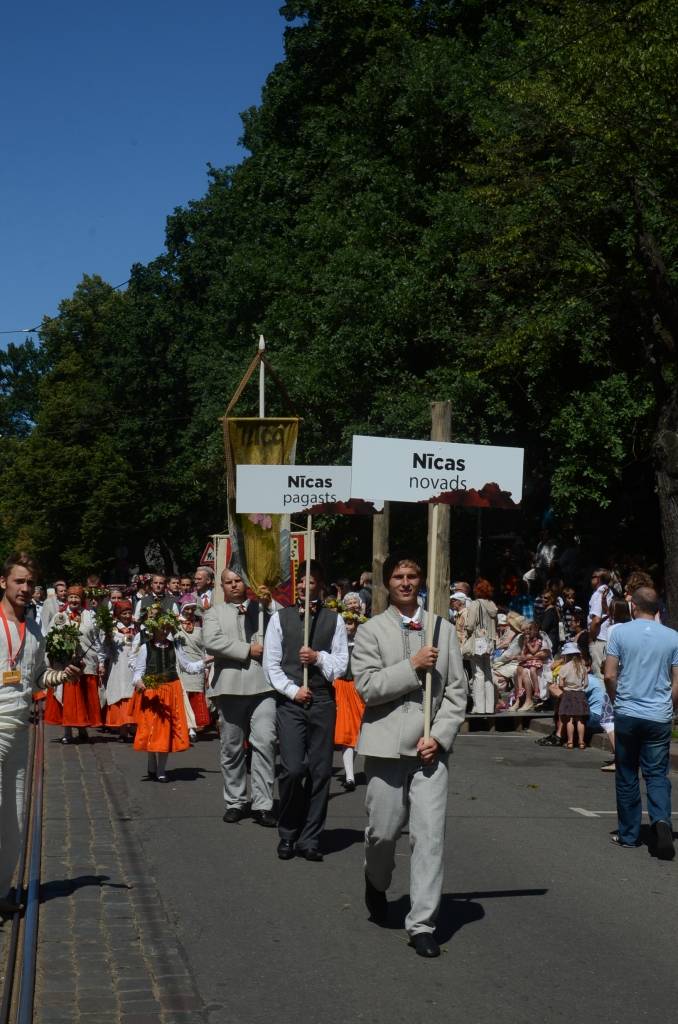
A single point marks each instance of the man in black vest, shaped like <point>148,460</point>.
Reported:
<point>306,714</point>
<point>158,595</point>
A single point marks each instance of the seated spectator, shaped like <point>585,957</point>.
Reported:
<point>534,653</point>
<point>508,652</point>
<point>601,714</point>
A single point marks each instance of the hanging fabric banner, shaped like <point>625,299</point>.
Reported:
<point>260,542</point>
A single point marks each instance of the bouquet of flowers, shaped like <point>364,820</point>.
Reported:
<point>104,621</point>
<point>98,593</point>
<point>350,616</point>
<point>158,618</point>
<point>155,681</point>
<point>346,613</point>
<point>63,645</point>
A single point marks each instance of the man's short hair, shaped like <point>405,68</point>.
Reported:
<point>397,559</point>
<point>22,559</point>
<point>206,568</point>
<point>646,600</point>
<point>463,586</point>
<point>315,569</point>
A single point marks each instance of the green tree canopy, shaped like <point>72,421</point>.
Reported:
<point>470,201</point>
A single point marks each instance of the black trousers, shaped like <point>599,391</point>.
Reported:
<point>306,739</point>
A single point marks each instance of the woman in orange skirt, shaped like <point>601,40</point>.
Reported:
<point>158,704</point>
<point>350,706</point>
<point>75,704</point>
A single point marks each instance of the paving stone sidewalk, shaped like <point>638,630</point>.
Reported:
<point>107,953</point>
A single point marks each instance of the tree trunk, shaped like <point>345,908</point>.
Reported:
<point>666,462</point>
<point>380,531</point>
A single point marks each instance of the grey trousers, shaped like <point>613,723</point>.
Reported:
<point>238,717</point>
<point>396,789</point>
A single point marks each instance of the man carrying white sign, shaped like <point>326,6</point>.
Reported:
<point>406,772</point>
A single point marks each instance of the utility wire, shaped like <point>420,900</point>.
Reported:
<point>34,330</point>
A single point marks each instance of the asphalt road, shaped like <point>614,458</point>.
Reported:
<point>542,918</point>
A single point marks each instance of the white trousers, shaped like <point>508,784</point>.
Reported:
<point>482,687</point>
<point>397,789</point>
<point>13,762</point>
<point>597,649</point>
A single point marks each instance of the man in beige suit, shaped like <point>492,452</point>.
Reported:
<point>406,774</point>
<point>244,698</point>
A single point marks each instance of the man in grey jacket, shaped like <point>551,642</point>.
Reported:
<point>407,774</point>
<point>244,698</point>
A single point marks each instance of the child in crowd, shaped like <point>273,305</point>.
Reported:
<point>574,709</point>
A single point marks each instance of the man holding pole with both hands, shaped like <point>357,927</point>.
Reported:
<point>406,744</point>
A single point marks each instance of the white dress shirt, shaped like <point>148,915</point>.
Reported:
<point>332,663</point>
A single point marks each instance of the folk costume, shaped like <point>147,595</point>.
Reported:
<point>193,683</point>
<point>120,681</point>
<point>23,673</point>
<point>305,733</point>
<point>398,783</point>
<point>245,701</point>
<point>350,708</point>
<point>158,710</point>
<point>76,703</point>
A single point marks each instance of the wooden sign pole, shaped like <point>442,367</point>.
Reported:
<point>262,413</point>
<point>430,615</point>
<point>307,600</point>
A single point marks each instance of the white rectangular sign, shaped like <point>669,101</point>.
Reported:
<point>271,489</point>
<point>473,475</point>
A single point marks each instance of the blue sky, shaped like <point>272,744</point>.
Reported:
<point>109,116</point>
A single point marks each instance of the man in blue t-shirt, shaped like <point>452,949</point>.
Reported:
<point>641,677</point>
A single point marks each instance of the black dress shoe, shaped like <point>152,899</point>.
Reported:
<point>425,945</point>
<point>233,814</point>
<point>663,847</point>
<point>310,854</point>
<point>285,849</point>
<point>376,903</point>
<point>349,785</point>
<point>265,818</point>
<point>9,907</point>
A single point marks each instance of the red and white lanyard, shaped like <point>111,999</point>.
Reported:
<point>13,658</point>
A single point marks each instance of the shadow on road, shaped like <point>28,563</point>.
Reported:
<point>336,839</point>
<point>61,887</point>
<point>456,909</point>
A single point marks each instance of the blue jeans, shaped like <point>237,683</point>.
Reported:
<point>640,743</point>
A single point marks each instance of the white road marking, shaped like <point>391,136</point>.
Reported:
<point>598,814</point>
